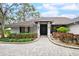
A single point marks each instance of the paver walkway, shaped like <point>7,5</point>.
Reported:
<point>42,47</point>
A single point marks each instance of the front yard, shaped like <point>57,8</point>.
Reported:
<point>16,40</point>
<point>20,37</point>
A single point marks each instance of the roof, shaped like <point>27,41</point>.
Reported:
<point>62,20</point>
<point>57,20</point>
<point>47,19</point>
<point>54,20</point>
<point>76,19</point>
<point>23,24</point>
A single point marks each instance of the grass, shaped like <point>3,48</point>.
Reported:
<point>15,40</point>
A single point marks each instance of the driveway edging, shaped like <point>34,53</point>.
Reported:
<point>60,44</point>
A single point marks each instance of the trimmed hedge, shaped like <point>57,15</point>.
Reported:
<point>23,35</point>
<point>16,40</point>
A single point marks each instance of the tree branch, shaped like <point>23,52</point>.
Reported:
<point>1,9</point>
<point>7,9</point>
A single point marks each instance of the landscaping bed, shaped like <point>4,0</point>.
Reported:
<point>68,38</point>
<point>23,35</point>
<point>20,37</point>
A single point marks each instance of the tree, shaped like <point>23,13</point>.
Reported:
<point>27,11</point>
<point>16,11</point>
<point>4,9</point>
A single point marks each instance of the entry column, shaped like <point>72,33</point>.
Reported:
<point>49,25</point>
<point>38,29</point>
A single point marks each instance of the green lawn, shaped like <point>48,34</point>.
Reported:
<point>16,40</point>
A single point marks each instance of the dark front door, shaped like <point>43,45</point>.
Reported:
<point>43,29</point>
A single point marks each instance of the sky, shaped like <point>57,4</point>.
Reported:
<point>70,10</point>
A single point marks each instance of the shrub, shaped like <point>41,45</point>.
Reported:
<point>7,32</point>
<point>67,37</point>
<point>23,35</point>
<point>15,40</point>
<point>63,29</point>
<point>4,39</point>
<point>24,40</point>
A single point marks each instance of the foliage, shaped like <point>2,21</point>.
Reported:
<point>67,37</point>
<point>14,12</point>
<point>63,29</point>
<point>23,35</point>
<point>27,11</point>
<point>15,40</point>
<point>24,40</point>
<point>20,37</point>
<point>7,32</point>
<point>4,12</point>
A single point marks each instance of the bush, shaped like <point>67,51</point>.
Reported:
<point>7,32</point>
<point>19,37</point>
<point>15,40</point>
<point>4,39</point>
<point>63,29</point>
<point>68,38</point>
<point>24,40</point>
<point>23,35</point>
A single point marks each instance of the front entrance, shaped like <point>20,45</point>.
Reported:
<point>43,29</point>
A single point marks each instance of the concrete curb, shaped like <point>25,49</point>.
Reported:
<point>20,42</point>
<point>63,45</point>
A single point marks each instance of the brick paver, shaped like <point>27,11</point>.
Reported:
<point>42,47</point>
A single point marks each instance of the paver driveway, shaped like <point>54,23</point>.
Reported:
<point>42,47</point>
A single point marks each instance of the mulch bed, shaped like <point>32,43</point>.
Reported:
<point>67,38</point>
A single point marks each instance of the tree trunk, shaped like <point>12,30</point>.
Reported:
<point>3,26</point>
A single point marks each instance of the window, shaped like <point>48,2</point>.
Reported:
<point>28,29</point>
<point>22,29</point>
